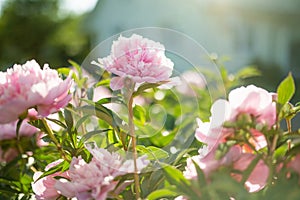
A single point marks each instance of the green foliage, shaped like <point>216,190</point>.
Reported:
<point>165,126</point>
<point>286,90</point>
<point>33,29</point>
<point>153,153</point>
<point>162,193</point>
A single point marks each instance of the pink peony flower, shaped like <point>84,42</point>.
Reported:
<point>140,59</point>
<point>95,179</point>
<point>250,100</point>
<point>190,80</point>
<point>87,181</point>
<point>209,163</point>
<point>294,164</point>
<point>258,141</point>
<point>28,86</point>
<point>44,188</point>
<point>8,131</point>
<point>255,101</point>
<point>40,141</point>
<point>244,100</point>
<point>8,155</point>
<point>240,161</point>
<point>212,132</point>
<point>258,178</point>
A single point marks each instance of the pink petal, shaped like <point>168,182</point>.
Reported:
<point>117,83</point>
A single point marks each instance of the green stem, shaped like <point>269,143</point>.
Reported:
<point>133,138</point>
<point>274,143</point>
<point>289,125</point>
<point>271,170</point>
<point>53,138</point>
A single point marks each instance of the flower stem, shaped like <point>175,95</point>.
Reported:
<point>289,125</point>
<point>133,138</point>
<point>53,138</point>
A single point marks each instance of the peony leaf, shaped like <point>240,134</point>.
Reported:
<point>161,140</point>
<point>140,113</point>
<point>101,114</point>
<point>77,67</point>
<point>152,152</point>
<point>200,175</point>
<point>58,122</point>
<point>248,72</point>
<point>81,121</point>
<point>63,70</point>
<point>110,100</point>
<point>68,118</point>
<point>104,82</point>
<point>61,167</point>
<point>159,194</point>
<point>90,134</point>
<point>286,90</point>
<point>146,86</point>
<point>175,177</point>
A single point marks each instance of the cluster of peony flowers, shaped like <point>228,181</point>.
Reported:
<point>252,103</point>
<point>93,180</point>
<point>28,86</point>
<point>28,92</point>
<point>137,58</point>
<point>235,137</point>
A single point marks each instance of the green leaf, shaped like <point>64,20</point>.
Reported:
<point>90,134</point>
<point>103,113</point>
<point>182,154</point>
<point>20,121</point>
<point>146,86</point>
<point>65,71</point>
<point>91,110</point>
<point>200,175</point>
<point>175,177</point>
<point>68,118</point>
<point>61,167</point>
<point>293,151</point>
<point>140,113</point>
<point>81,121</point>
<point>286,90</point>
<point>158,194</point>
<point>90,93</point>
<point>161,140</point>
<point>58,122</point>
<point>104,82</point>
<point>152,152</point>
<point>77,67</point>
<point>110,100</point>
<point>248,72</point>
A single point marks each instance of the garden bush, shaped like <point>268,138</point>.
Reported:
<point>139,132</point>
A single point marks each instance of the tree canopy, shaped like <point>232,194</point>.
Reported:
<point>36,29</point>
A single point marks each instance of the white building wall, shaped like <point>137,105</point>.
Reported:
<point>244,30</point>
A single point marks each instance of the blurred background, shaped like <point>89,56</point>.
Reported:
<point>249,32</point>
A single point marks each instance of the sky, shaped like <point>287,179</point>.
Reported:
<point>75,6</point>
<point>78,6</point>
